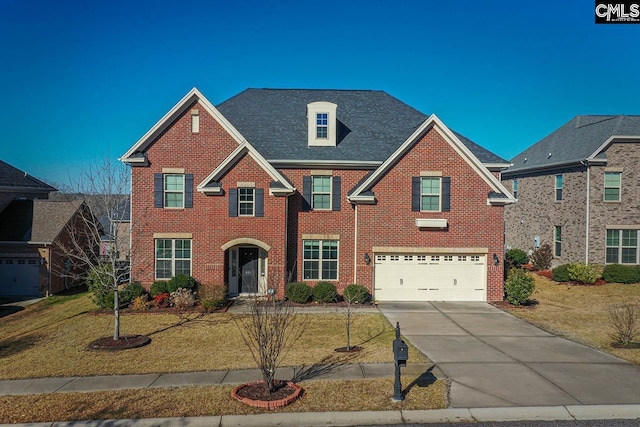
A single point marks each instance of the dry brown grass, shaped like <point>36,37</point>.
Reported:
<point>50,340</point>
<point>581,313</point>
<point>319,396</point>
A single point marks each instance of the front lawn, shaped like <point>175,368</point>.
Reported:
<point>50,338</point>
<point>580,313</point>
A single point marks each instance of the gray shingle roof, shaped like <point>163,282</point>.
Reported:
<point>35,220</point>
<point>11,177</point>
<point>574,141</point>
<point>372,124</point>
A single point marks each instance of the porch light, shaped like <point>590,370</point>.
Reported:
<point>367,259</point>
<point>496,260</point>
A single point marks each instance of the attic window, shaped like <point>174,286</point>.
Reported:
<point>321,124</point>
<point>195,121</point>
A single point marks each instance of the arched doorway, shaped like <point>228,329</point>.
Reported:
<point>247,263</point>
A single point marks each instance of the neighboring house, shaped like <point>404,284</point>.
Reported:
<point>32,263</point>
<point>346,186</point>
<point>115,243</point>
<point>18,185</point>
<point>578,190</point>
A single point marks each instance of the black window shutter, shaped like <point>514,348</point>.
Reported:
<point>335,205</point>
<point>259,202</point>
<point>446,194</point>
<point>188,190</point>
<point>158,190</point>
<point>233,202</point>
<point>306,193</point>
<point>415,193</point>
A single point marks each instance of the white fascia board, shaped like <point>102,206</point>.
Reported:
<point>166,120</point>
<point>326,164</point>
<point>501,201</point>
<point>244,148</point>
<point>362,200</point>
<point>497,166</point>
<point>281,191</point>
<point>611,140</point>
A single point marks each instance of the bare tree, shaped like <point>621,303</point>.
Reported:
<point>623,322</point>
<point>95,238</point>
<point>270,329</point>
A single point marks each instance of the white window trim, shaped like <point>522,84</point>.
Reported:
<point>619,187</point>
<point>555,242</point>
<point>165,191</point>
<point>514,187</point>
<point>253,201</point>
<point>556,188</point>
<point>620,247</point>
<point>173,258</point>
<point>313,177</point>
<point>320,259</point>
<point>431,194</point>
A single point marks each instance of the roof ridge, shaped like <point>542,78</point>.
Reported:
<point>313,89</point>
<point>604,119</point>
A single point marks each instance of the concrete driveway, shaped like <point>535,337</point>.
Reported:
<point>494,359</point>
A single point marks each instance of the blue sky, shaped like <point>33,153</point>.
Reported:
<point>80,80</point>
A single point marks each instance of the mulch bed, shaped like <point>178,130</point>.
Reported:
<point>506,305</point>
<point>196,309</point>
<point>256,394</point>
<point>352,349</point>
<point>630,346</point>
<point>125,342</point>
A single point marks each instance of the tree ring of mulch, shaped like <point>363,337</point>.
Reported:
<point>628,346</point>
<point>125,342</point>
<point>256,394</point>
<point>351,349</point>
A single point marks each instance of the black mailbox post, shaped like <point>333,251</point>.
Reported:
<point>400,356</point>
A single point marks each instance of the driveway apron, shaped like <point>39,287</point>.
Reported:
<point>494,359</point>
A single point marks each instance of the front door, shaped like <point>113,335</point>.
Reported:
<point>248,276</point>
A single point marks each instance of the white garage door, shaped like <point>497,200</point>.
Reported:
<point>19,277</point>
<point>429,277</point>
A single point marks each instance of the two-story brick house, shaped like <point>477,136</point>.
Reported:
<point>578,190</point>
<point>346,186</point>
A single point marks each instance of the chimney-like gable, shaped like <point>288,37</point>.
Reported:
<point>322,124</point>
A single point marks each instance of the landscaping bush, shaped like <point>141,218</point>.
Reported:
<point>356,294</point>
<point>516,258</point>
<point>162,300</point>
<point>561,273</point>
<point>519,286</point>
<point>183,298</point>
<point>541,258</point>
<point>325,292</point>
<point>623,322</point>
<point>140,303</point>
<point>98,283</point>
<point>159,287</point>
<point>213,297</point>
<point>299,292</point>
<point>132,291</point>
<point>183,281</point>
<point>584,273</point>
<point>618,273</point>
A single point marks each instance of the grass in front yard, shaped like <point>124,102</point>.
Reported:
<point>581,313</point>
<point>50,339</point>
<point>319,396</point>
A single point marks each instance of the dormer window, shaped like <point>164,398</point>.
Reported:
<point>321,118</point>
<point>322,125</point>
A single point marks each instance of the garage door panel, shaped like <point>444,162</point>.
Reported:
<point>428,277</point>
<point>19,277</point>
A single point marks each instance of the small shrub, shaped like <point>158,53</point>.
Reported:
<point>561,273</point>
<point>132,291</point>
<point>516,258</point>
<point>356,294</point>
<point>183,298</point>
<point>519,286</point>
<point>584,273</point>
<point>618,273</point>
<point>541,258</point>
<point>325,292</point>
<point>624,324</point>
<point>299,292</point>
<point>162,300</point>
<point>183,281</point>
<point>213,297</point>
<point>159,287</point>
<point>140,303</point>
<point>98,282</point>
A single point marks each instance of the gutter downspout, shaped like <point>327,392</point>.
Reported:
<point>355,246</point>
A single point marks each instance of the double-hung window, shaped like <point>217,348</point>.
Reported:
<point>612,186</point>
<point>320,260</point>
<point>246,201</point>
<point>622,247</point>
<point>321,192</point>
<point>559,184</point>
<point>174,190</point>
<point>430,194</point>
<point>173,257</point>
<point>515,188</point>
<point>322,125</point>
